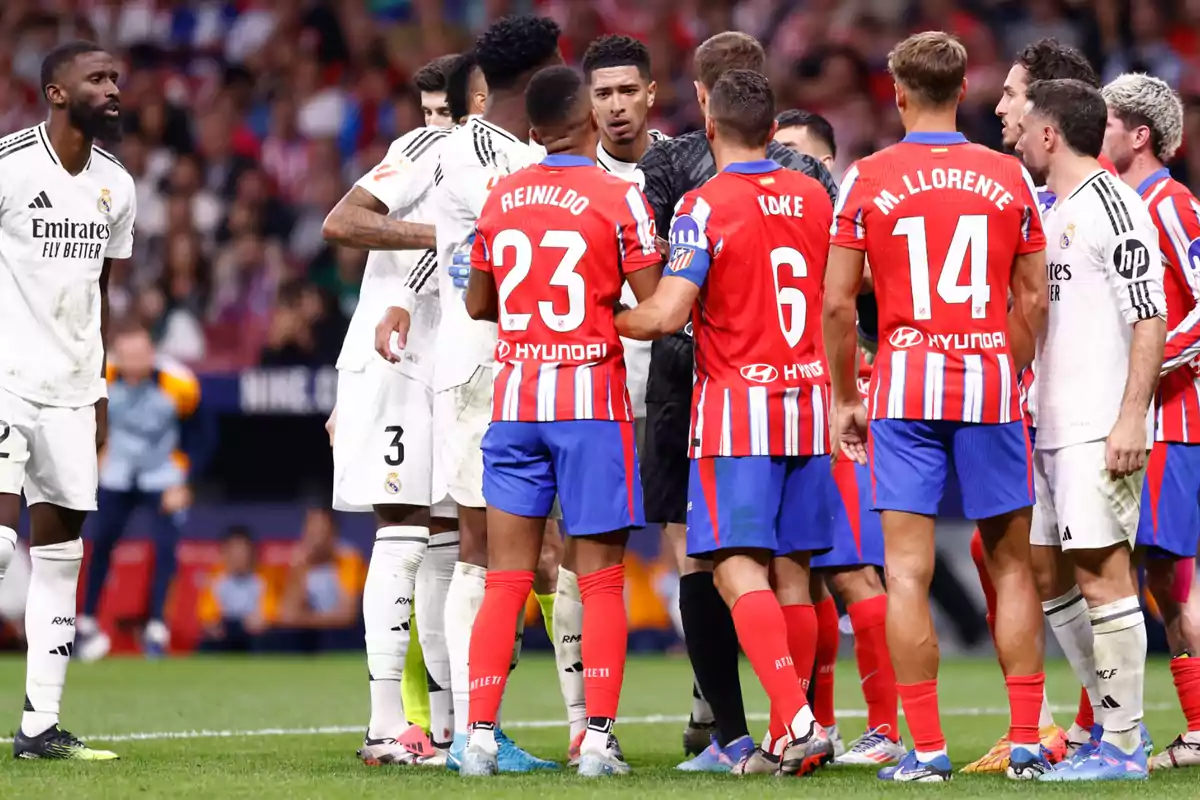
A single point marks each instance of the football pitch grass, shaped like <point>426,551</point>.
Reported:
<point>276,727</point>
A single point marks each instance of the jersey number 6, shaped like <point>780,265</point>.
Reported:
<point>971,233</point>
<point>574,247</point>
<point>790,296</point>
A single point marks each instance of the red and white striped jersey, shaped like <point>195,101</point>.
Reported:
<point>941,221</point>
<point>1176,214</point>
<point>1028,387</point>
<point>755,239</point>
<point>559,238</point>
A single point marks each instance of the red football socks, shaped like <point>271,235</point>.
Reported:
<point>801,624</point>
<point>492,640</point>
<point>605,639</point>
<point>921,711</point>
<point>827,652</point>
<point>1025,707</point>
<point>985,580</point>
<point>762,632</point>
<point>1085,717</point>
<point>875,670</point>
<point>1186,671</point>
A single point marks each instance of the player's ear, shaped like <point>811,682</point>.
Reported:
<point>901,97</point>
<point>774,130</point>
<point>701,96</point>
<point>533,136</point>
<point>710,128</point>
<point>55,96</point>
<point>962,92</point>
<point>595,120</point>
<point>651,92</point>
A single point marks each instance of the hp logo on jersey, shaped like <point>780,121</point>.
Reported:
<point>760,373</point>
<point>1131,259</point>
<point>904,338</point>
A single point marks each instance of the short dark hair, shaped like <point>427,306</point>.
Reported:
<point>551,96</point>
<point>63,55</point>
<point>1051,60</point>
<point>616,51</point>
<point>743,105</point>
<point>727,51</point>
<point>238,532</point>
<point>817,126</point>
<point>458,84</point>
<point>432,76</point>
<point>513,46</point>
<point>1075,108</point>
<point>931,65</point>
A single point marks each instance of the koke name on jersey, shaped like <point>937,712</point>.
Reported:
<point>67,239</point>
<point>962,180</point>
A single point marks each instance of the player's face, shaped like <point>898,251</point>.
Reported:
<point>1118,142</point>
<point>436,109</point>
<point>1012,105</point>
<point>622,99</point>
<point>1033,141</point>
<point>88,90</point>
<point>799,139</point>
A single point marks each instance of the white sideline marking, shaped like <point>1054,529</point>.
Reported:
<point>653,719</point>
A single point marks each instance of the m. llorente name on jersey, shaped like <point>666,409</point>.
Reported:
<point>67,239</point>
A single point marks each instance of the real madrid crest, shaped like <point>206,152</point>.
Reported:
<point>391,484</point>
<point>105,202</point>
<point>1067,235</point>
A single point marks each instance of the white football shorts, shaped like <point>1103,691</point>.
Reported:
<point>49,452</point>
<point>1080,506</point>
<point>382,441</point>
<point>461,415</point>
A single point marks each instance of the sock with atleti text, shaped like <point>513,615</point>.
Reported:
<point>605,639</point>
<point>1186,672</point>
<point>1025,694</point>
<point>1068,618</point>
<point>463,599</point>
<point>878,678</point>
<point>49,630</point>
<point>828,637</point>
<point>920,701</point>
<point>1120,632</point>
<point>387,610</point>
<point>712,645</point>
<point>433,584</point>
<point>762,631</point>
<point>568,648</point>
<point>8,547</point>
<point>492,642</point>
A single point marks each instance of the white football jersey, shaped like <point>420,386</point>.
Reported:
<point>1105,275</point>
<point>637,353</point>
<point>473,158</point>
<point>56,230</point>
<point>403,182</point>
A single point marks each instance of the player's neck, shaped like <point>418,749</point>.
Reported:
<point>630,152</point>
<point>1140,168</point>
<point>509,114</point>
<point>70,145</point>
<point>726,154</point>
<point>934,120</point>
<point>1068,171</point>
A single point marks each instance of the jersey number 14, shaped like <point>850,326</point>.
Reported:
<point>970,236</point>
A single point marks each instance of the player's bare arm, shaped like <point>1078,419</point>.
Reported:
<point>361,220</point>
<point>644,282</point>
<point>664,312</point>
<point>843,278</point>
<point>1027,317</point>
<point>483,302</point>
<point>102,403</point>
<point>1127,445</point>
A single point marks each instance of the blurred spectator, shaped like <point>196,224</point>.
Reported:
<point>237,604</point>
<point>322,595</point>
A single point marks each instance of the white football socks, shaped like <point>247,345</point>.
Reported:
<point>1120,635</point>
<point>49,630</point>
<point>387,606</point>
<point>433,582</point>
<point>568,648</point>
<point>1068,617</point>
<point>463,600</point>
<point>8,546</point>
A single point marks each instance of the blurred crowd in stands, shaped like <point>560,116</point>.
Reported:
<point>247,119</point>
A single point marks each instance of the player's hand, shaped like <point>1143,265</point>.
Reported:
<point>850,431</point>
<point>395,320</point>
<point>331,425</point>
<point>101,423</point>
<point>176,499</point>
<point>1125,448</point>
<point>663,247</point>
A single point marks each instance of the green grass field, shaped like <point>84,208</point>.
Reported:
<point>266,728</point>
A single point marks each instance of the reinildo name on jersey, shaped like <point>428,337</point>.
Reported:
<point>966,180</point>
<point>67,239</point>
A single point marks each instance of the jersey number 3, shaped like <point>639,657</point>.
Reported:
<point>970,234</point>
<point>515,244</point>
